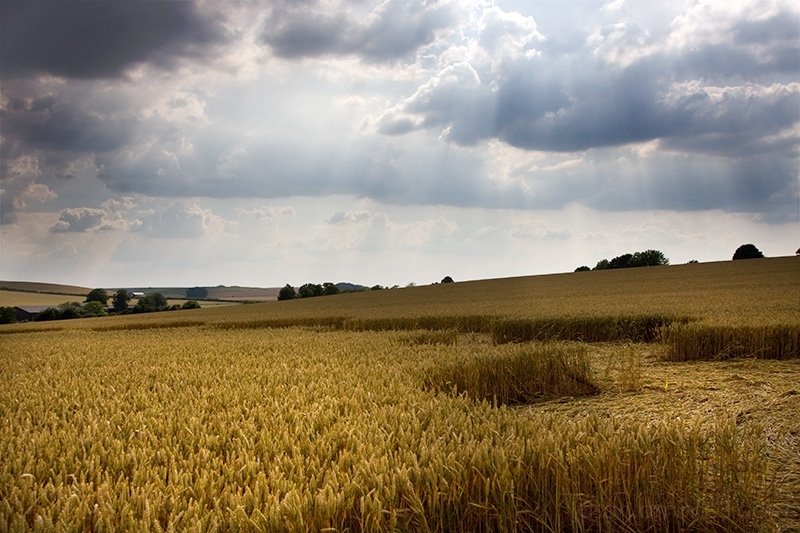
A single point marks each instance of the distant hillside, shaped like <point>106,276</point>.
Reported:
<point>235,293</point>
<point>220,292</point>
<point>50,288</point>
<point>243,293</point>
<point>343,286</point>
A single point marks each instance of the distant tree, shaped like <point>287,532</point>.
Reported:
<point>94,308</point>
<point>621,261</point>
<point>582,268</point>
<point>8,315</point>
<point>377,288</point>
<point>306,290</point>
<point>197,292</point>
<point>447,279</point>
<point>638,259</point>
<point>329,289</point>
<point>51,313</point>
<point>191,304</point>
<point>747,251</point>
<point>797,252</point>
<point>150,303</point>
<point>97,295</point>
<point>648,258</point>
<point>70,310</point>
<point>120,300</point>
<point>603,264</point>
<point>693,262</point>
<point>287,293</point>
<point>309,290</point>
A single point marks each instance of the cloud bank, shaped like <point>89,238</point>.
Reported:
<point>132,118</point>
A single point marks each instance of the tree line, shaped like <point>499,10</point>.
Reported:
<point>96,304</point>
<point>311,290</point>
<point>634,260</point>
<point>657,258</point>
<point>308,290</point>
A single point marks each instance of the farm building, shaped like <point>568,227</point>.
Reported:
<point>29,312</point>
<point>135,294</point>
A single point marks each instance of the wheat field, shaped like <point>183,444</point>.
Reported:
<point>410,410</point>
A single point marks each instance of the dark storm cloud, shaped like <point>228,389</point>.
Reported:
<point>392,31</point>
<point>97,39</point>
<point>64,121</point>
<point>632,107</point>
<point>536,104</point>
<point>733,102</point>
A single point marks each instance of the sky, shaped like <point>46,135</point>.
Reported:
<point>196,142</point>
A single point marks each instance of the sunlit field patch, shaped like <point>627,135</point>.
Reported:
<point>291,430</point>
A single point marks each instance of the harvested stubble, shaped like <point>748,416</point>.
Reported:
<point>691,342</point>
<point>294,430</point>
<point>518,375</point>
